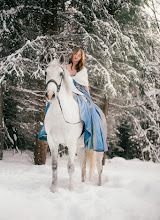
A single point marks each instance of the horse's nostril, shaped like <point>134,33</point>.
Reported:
<point>46,95</point>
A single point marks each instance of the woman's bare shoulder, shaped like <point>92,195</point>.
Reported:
<point>84,68</point>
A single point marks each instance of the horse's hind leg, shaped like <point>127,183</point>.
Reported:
<point>83,164</point>
<point>72,150</point>
<point>54,154</point>
<point>99,157</point>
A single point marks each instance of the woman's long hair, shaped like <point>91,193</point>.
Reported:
<point>81,63</point>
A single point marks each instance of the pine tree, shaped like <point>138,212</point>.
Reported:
<point>121,43</point>
<point>125,141</point>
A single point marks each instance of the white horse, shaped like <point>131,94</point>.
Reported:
<point>63,124</point>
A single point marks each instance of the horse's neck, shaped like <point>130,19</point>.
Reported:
<point>67,86</point>
<point>68,104</point>
<point>65,92</point>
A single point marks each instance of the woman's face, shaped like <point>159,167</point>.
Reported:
<point>77,56</point>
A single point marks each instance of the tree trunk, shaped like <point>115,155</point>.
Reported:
<point>105,113</point>
<point>1,124</point>
<point>40,152</point>
<point>106,107</point>
<point>146,155</point>
<point>49,24</point>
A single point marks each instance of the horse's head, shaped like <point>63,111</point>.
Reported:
<point>54,75</point>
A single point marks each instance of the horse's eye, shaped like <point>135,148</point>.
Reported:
<point>61,73</point>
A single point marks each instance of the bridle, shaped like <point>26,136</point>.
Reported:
<point>58,90</point>
<point>52,80</point>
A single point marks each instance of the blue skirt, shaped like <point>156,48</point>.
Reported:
<point>95,128</point>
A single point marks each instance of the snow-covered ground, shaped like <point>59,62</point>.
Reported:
<point>130,191</point>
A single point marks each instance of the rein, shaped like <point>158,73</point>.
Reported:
<point>63,114</point>
<point>58,89</point>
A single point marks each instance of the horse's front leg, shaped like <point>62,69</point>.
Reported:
<point>54,154</point>
<point>72,150</point>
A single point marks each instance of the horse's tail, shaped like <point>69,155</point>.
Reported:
<point>91,156</point>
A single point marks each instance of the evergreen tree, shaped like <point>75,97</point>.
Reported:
<point>125,141</point>
<point>121,43</point>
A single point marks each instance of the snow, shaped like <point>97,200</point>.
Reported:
<point>1,79</point>
<point>130,190</point>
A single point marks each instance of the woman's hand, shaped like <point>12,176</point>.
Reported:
<point>87,88</point>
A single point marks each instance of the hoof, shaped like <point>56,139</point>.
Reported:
<point>71,188</point>
<point>53,189</point>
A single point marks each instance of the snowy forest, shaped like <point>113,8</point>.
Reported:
<point>121,40</point>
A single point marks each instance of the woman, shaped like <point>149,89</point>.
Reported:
<point>94,119</point>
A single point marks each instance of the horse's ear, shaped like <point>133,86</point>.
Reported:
<point>61,59</point>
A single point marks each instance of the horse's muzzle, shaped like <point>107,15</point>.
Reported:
<point>48,97</point>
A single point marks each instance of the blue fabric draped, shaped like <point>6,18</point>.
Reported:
<point>42,134</point>
<point>94,121</point>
